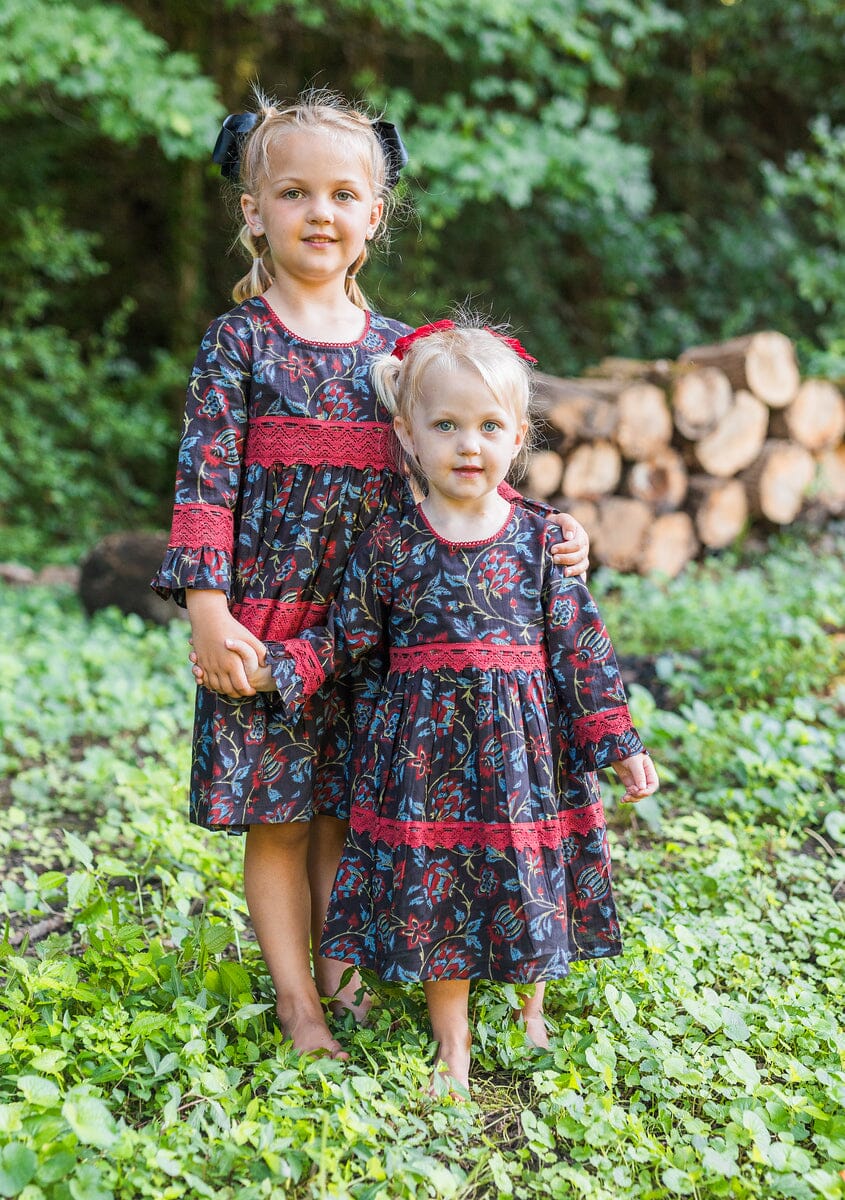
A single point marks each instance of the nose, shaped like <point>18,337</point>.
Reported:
<point>320,211</point>
<point>469,442</point>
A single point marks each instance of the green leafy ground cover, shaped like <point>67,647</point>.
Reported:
<point>138,1055</point>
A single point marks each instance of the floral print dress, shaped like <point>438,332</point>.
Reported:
<point>477,845</point>
<point>286,457</point>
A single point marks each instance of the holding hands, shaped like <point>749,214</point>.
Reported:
<point>214,631</point>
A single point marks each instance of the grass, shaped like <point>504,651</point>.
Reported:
<point>138,1054</point>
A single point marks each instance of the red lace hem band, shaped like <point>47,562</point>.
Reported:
<point>503,835</point>
<point>457,655</point>
<point>307,665</point>
<point>306,441</point>
<point>198,525</point>
<point>594,726</point>
<point>278,620</point>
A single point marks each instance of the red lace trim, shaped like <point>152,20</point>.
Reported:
<point>306,441</point>
<point>307,665</point>
<point>501,835</point>
<point>198,525</point>
<point>278,620</point>
<point>594,726</point>
<point>456,655</point>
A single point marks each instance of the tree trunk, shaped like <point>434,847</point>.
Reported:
<point>761,363</point>
<point>592,470</point>
<point>778,481</point>
<point>670,545</point>
<point>631,370</point>
<point>815,418</point>
<point>700,399</point>
<point>737,439</point>
<point>645,422</point>
<point>661,481</point>
<point>622,531</point>
<point>719,508</point>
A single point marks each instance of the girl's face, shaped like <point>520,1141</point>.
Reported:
<point>462,437</point>
<point>316,207</point>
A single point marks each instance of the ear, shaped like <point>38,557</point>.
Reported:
<point>404,434</point>
<point>375,219</point>
<point>252,216</point>
<point>519,438</point>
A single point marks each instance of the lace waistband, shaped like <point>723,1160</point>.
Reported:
<point>306,441</point>
<point>457,655</point>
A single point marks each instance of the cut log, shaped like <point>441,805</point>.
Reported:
<point>670,545</point>
<point>779,480</point>
<point>737,440</point>
<point>815,418</point>
<point>719,508</point>
<point>645,421</point>
<point>581,410</point>
<point>623,527</point>
<point>830,480</point>
<point>591,471</point>
<point>761,363</point>
<point>700,399</point>
<point>661,481</point>
<point>545,471</point>
<point>629,370</point>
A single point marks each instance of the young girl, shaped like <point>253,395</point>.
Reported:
<point>477,846</point>
<point>285,460</point>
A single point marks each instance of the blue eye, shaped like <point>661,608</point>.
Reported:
<point>491,426</point>
<point>445,426</point>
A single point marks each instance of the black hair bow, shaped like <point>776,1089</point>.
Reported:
<point>396,156</point>
<point>230,140</point>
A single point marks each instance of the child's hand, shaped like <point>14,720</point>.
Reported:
<point>638,776</point>
<point>212,625</point>
<point>573,552</point>
<point>259,677</point>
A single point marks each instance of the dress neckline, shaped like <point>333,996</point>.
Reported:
<point>494,537</point>
<point>277,320</point>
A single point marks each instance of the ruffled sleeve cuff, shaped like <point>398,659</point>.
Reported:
<point>602,738</point>
<point>203,567</point>
<point>296,670</point>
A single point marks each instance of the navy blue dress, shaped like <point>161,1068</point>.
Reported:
<point>478,844</point>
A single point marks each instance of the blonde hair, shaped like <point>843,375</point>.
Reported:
<point>399,383</point>
<point>313,110</point>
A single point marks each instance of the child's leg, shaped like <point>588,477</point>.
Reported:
<point>279,902</point>
<point>327,837</point>
<point>533,1019</point>
<point>448,1008</point>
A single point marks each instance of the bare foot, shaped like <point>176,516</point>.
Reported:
<point>536,1031</point>
<point>309,1034</point>
<point>451,1068</point>
<point>351,998</point>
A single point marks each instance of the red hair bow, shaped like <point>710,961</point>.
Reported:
<point>403,344</point>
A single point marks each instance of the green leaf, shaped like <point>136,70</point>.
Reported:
<point>87,1184</point>
<point>743,1068</point>
<point>79,850</point>
<point>90,1119</point>
<point>17,1167</point>
<point>216,938</point>
<point>234,980</point>
<point>41,1092</point>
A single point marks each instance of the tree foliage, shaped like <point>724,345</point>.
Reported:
<point>613,176</point>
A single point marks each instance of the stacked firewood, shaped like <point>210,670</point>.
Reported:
<point>661,460</point>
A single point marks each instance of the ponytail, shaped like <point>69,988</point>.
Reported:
<point>259,277</point>
<point>385,375</point>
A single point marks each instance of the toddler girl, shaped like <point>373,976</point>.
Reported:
<point>285,459</point>
<point>477,846</point>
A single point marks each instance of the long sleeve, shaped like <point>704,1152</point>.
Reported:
<point>356,624</point>
<point>540,507</point>
<point>208,477</point>
<point>586,674</point>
